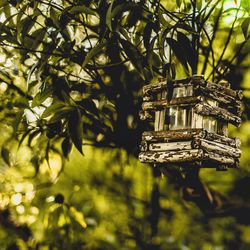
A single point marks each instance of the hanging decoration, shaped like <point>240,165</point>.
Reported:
<point>189,123</point>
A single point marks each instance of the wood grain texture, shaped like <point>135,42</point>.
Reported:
<point>227,160</point>
<point>219,148</point>
<point>149,89</point>
<point>180,101</point>
<point>168,146</point>
<point>220,97</point>
<point>188,134</point>
<point>218,113</point>
<point>171,156</point>
<point>172,135</point>
<point>227,91</point>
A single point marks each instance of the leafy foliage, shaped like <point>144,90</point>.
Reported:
<point>71,74</point>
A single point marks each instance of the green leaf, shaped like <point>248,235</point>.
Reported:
<point>185,44</point>
<point>21,103</point>
<point>89,105</point>
<point>150,56</point>
<point>47,153</point>
<point>55,108</point>
<point>93,52</point>
<point>199,4</point>
<point>58,116</point>
<point>41,97</point>
<point>112,13</point>
<point>33,135</point>
<point>54,15</point>
<point>3,3</point>
<point>185,27</point>
<point>82,9</point>
<point>38,36</point>
<point>18,119</point>
<point>108,15</point>
<point>5,153</point>
<point>245,26</point>
<point>134,55</point>
<point>66,146</point>
<point>25,134</point>
<point>179,2</point>
<point>147,34</point>
<point>78,217</point>
<point>23,28</point>
<point>162,40</point>
<point>178,51</point>
<point>76,129</point>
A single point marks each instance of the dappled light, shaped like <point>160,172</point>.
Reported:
<point>72,84</point>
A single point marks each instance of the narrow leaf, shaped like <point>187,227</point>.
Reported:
<point>78,217</point>
<point>81,9</point>
<point>245,26</point>
<point>55,108</point>
<point>133,54</point>
<point>66,146</point>
<point>5,153</point>
<point>186,46</point>
<point>179,2</point>
<point>108,15</point>
<point>76,129</point>
<point>178,51</point>
<point>41,97</point>
<point>93,52</point>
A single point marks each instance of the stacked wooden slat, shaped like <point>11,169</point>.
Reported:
<point>195,145</point>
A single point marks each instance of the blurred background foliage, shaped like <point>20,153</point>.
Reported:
<point>71,78</point>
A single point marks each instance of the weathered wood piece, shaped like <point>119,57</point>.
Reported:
<point>218,148</point>
<point>227,160</point>
<point>192,155</point>
<point>144,146</point>
<point>172,135</point>
<point>171,156</point>
<point>219,88</point>
<point>145,115</point>
<point>180,101</point>
<point>188,134</point>
<point>168,146</point>
<point>219,113</point>
<point>207,146</point>
<point>232,142</point>
<point>154,88</point>
<point>218,96</point>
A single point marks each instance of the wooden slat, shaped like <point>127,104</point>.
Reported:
<point>180,101</point>
<point>167,146</point>
<point>232,142</point>
<point>172,135</point>
<point>233,93</point>
<point>218,148</point>
<point>171,156</point>
<point>217,95</point>
<point>153,88</point>
<point>227,160</point>
<point>188,134</point>
<point>218,113</point>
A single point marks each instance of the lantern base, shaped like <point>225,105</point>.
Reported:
<point>190,147</point>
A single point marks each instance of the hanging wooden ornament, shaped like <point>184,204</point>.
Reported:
<point>190,123</point>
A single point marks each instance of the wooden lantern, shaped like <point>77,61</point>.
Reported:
<point>190,119</point>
